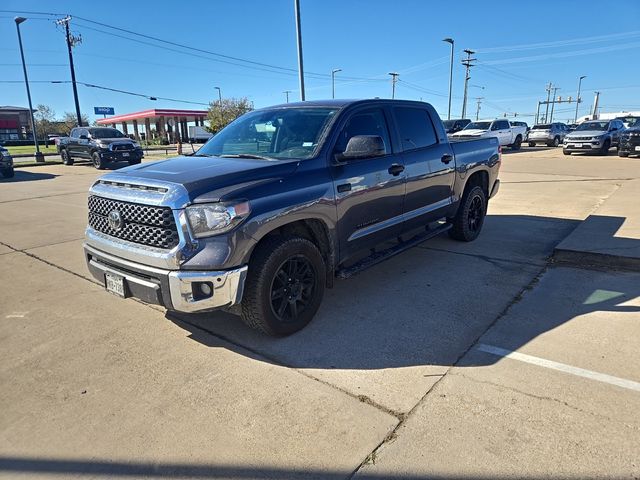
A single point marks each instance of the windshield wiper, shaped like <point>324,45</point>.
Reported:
<point>246,155</point>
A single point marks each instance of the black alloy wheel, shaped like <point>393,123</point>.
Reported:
<point>292,288</point>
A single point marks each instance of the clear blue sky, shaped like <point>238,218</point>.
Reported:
<point>521,46</point>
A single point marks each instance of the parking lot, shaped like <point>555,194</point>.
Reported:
<point>482,360</point>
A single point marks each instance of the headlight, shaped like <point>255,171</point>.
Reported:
<point>216,218</point>
<point>104,146</point>
<point>136,145</point>
<point>597,138</point>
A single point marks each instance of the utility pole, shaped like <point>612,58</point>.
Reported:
<point>555,89</point>
<point>546,112</point>
<point>467,63</point>
<point>299,37</point>
<point>575,120</point>
<point>538,113</point>
<point>286,93</point>
<point>38,155</point>
<point>333,81</point>
<point>450,40</point>
<point>478,101</point>
<point>394,79</point>
<point>596,100</point>
<point>72,42</point>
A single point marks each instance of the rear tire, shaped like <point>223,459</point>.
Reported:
<point>469,218</point>
<point>566,152</point>
<point>135,162</point>
<point>97,161</point>
<point>623,154</point>
<point>517,144</point>
<point>285,285</point>
<point>532,144</point>
<point>8,172</point>
<point>66,159</point>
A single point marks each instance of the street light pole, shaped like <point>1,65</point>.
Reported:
<point>39,156</point>
<point>575,120</point>
<point>219,95</point>
<point>394,79</point>
<point>333,81</point>
<point>450,40</point>
<point>299,39</point>
<point>286,93</point>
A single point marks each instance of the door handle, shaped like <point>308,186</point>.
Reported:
<point>396,169</point>
<point>345,187</point>
<point>446,158</point>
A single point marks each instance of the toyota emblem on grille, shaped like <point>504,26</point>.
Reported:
<point>115,220</point>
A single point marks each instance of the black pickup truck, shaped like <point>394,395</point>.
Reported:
<point>281,202</point>
<point>101,145</point>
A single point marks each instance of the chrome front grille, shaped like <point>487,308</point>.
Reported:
<point>144,224</point>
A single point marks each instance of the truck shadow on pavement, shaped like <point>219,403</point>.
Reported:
<point>24,176</point>
<point>429,305</point>
<point>107,468</point>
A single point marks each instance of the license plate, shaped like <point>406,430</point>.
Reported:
<point>577,145</point>
<point>125,154</point>
<point>638,148</point>
<point>114,284</point>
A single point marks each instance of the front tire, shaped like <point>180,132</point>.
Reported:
<point>66,159</point>
<point>532,144</point>
<point>623,154</point>
<point>517,144</point>
<point>8,172</point>
<point>285,285</point>
<point>97,161</point>
<point>605,148</point>
<point>469,218</point>
<point>554,143</point>
<point>566,152</point>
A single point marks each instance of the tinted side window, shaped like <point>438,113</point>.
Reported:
<point>503,125</point>
<point>416,129</point>
<point>74,133</point>
<point>367,122</point>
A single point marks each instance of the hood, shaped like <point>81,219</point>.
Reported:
<point>470,132</point>
<point>112,140</point>
<point>200,175</point>
<point>586,133</point>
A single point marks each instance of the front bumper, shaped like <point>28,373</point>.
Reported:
<point>178,290</point>
<point>630,145</point>
<point>582,145</point>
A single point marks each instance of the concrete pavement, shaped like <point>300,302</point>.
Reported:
<point>387,382</point>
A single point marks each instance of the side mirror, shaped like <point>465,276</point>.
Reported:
<point>363,146</point>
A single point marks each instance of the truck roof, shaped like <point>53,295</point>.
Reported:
<point>341,103</point>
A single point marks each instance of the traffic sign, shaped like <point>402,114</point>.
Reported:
<point>104,110</point>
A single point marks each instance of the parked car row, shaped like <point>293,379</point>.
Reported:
<point>595,136</point>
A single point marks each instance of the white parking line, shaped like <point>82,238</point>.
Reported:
<point>541,362</point>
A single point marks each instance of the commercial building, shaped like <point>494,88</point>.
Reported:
<point>15,123</point>
<point>163,123</point>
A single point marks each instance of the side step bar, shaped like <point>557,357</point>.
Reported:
<point>377,257</point>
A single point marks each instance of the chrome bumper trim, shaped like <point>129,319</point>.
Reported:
<point>228,285</point>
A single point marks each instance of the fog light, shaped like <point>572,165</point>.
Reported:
<point>202,290</point>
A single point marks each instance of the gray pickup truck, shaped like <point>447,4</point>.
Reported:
<point>283,201</point>
<point>101,145</point>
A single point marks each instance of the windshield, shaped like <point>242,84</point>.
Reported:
<point>478,126</point>
<point>106,133</point>
<point>541,127</point>
<point>276,133</point>
<point>634,122</point>
<point>592,126</point>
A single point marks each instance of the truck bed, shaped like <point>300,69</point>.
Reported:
<point>473,151</point>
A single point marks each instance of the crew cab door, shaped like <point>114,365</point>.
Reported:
<point>72,141</point>
<point>369,191</point>
<point>429,163</point>
<point>83,145</point>
<point>502,130</point>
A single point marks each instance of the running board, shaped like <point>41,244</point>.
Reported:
<point>377,257</point>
